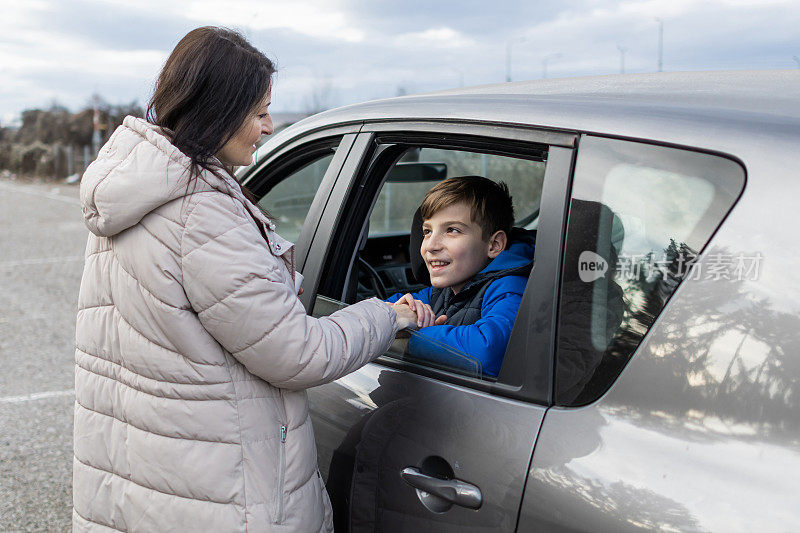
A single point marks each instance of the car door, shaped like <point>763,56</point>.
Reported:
<point>404,445</point>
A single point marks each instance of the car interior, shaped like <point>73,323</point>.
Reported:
<point>390,263</point>
<point>388,259</point>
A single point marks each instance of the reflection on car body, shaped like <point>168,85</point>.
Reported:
<point>651,380</point>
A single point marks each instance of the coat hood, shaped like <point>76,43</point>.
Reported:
<point>516,260</point>
<point>518,254</point>
<point>137,171</point>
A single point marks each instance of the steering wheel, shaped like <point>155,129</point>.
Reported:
<point>374,278</point>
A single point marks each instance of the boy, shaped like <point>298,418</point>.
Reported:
<point>477,274</point>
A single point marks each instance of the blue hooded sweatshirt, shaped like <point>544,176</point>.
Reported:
<point>480,316</point>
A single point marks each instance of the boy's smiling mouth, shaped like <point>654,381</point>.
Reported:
<point>438,264</point>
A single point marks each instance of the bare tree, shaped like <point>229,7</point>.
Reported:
<point>320,97</point>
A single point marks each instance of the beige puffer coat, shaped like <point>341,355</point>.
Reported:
<point>193,353</point>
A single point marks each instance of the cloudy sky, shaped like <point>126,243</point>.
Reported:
<point>345,51</point>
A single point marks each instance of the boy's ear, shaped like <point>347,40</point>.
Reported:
<point>497,243</point>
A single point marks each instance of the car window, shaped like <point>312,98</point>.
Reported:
<point>289,200</point>
<point>639,216</point>
<point>384,258</point>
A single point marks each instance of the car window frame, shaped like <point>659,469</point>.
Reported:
<point>533,363</point>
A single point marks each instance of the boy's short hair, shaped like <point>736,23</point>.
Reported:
<point>490,202</point>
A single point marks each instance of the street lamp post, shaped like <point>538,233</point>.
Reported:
<point>622,51</point>
<point>546,59</point>
<point>460,76</point>
<point>660,44</point>
<point>96,125</point>
<point>509,44</point>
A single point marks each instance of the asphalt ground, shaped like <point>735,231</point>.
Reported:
<point>42,240</point>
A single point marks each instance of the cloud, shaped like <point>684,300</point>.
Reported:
<point>441,37</point>
<point>117,27</point>
<point>42,60</point>
<point>367,49</point>
<point>697,36</point>
<point>317,19</point>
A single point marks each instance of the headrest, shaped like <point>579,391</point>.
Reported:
<point>604,235</point>
<point>414,243</point>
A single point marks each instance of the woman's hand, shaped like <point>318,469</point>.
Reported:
<point>425,315</point>
<point>406,317</point>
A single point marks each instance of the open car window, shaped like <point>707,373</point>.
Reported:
<point>405,186</point>
<point>386,258</point>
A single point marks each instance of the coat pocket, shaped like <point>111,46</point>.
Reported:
<point>281,475</point>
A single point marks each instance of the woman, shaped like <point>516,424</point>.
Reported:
<point>193,351</point>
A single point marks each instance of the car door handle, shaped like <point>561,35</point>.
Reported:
<point>452,490</point>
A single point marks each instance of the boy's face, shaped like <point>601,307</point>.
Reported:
<point>453,247</point>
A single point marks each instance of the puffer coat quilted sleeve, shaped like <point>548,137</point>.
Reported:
<point>193,354</point>
<point>254,313</point>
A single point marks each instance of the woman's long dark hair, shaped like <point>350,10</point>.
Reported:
<point>212,81</point>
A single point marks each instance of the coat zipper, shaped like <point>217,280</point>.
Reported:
<point>281,469</point>
<point>281,457</point>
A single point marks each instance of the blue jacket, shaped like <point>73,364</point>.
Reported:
<point>480,316</point>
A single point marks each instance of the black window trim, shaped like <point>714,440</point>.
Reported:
<point>448,127</point>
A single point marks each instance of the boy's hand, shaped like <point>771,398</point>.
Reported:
<point>425,315</point>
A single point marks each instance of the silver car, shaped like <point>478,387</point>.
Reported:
<point>652,378</point>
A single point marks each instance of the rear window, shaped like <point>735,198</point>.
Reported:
<point>639,216</point>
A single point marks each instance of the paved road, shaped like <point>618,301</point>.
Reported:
<point>42,239</point>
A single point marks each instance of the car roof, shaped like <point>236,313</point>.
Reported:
<point>767,92</point>
<point>716,111</point>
